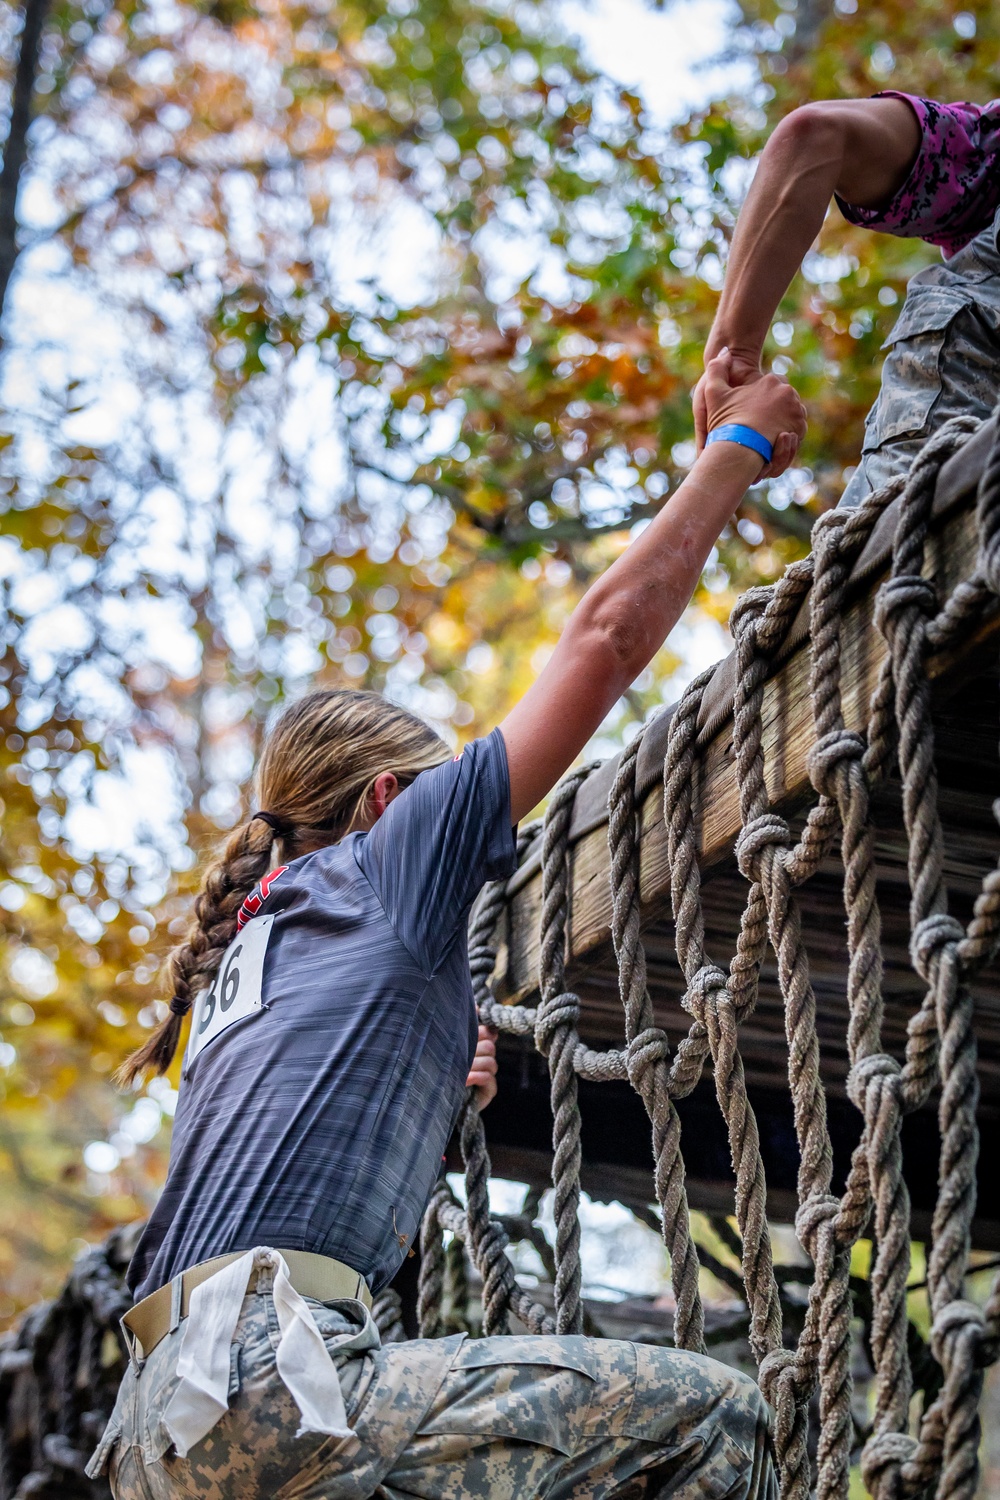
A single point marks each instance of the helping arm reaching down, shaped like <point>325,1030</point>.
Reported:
<point>860,149</point>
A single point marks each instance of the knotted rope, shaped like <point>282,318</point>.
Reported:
<point>845,766</point>
<point>61,1349</point>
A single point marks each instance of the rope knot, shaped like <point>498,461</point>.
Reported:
<point>763,832</point>
<point>772,1368</point>
<point>817,1211</point>
<point>779,1379</point>
<point>875,1070</point>
<point>952,1321</point>
<point>705,983</point>
<point>899,597</point>
<point>881,1460</point>
<point>553,1014</point>
<point>837,748</point>
<point>748,609</point>
<point>930,939</point>
<point>643,1052</point>
<point>826,529</point>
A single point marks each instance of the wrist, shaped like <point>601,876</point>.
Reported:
<point>744,350</point>
<point>744,436</point>
<point>731,465</point>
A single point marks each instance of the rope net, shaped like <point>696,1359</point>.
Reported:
<point>845,767</point>
<point>59,1370</point>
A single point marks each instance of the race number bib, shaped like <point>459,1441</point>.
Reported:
<point>236,991</point>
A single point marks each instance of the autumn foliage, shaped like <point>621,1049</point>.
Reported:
<point>343,343</point>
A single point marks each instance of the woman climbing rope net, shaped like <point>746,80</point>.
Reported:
<point>332,1036</point>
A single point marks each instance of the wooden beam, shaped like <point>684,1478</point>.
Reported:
<point>788,735</point>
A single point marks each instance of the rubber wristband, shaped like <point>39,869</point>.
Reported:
<point>747,437</point>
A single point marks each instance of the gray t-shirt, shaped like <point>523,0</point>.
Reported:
<point>318,1121</point>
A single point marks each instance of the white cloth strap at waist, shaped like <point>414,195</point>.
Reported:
<point>304,1361</point>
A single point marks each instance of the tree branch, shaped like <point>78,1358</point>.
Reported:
<point>501,528</point>
<point>16,148</point>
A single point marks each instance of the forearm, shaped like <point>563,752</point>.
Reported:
<point>640,598</point>
<point>621,623</point>
<point>781,218</point>
<point>862,149</point>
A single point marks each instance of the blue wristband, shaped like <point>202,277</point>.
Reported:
<point>734,432</point>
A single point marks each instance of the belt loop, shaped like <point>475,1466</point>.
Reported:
<point>131,1343</point>
<point>176,1299</point>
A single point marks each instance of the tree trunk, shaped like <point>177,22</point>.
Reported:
<point>16,147</point>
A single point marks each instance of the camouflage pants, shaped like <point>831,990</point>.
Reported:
<point>943,360</point>
<point>504,1418</point>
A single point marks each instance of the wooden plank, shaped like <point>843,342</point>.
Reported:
<point>788,736</point>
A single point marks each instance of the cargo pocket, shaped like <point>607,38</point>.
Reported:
<point>709,1422</point>
<point>157,1395</point>
<point>523,1388</point>
<point>911,375</point>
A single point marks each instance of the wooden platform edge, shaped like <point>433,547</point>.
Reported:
<point>787,728</point>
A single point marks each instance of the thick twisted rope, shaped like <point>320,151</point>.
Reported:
<point>387,1311</point>
<point>647,1053</point>
<point>719,1003</point>
<point>844,767</point>
<point>556,1038</point>
<point>60,1370</point>
<point>837,766</point>
<point>945,955</point>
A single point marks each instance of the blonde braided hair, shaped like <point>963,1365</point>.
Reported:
<point>315,777</point>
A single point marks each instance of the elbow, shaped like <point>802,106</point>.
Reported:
<point>619,638</point>
<point>811,134</point>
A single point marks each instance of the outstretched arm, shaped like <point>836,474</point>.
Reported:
<point>863,150</point>
<point>626,615</point>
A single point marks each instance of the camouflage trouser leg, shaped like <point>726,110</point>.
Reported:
<point>445,1419</point>
<point>581,1419</point>
<point>943,360</point>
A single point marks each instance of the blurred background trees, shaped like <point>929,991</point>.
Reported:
<point>344,343</point>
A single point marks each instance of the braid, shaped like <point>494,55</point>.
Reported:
<point>316,772</point>
<point>194,963</point>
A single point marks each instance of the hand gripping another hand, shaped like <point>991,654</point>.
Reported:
<point>731,391</point>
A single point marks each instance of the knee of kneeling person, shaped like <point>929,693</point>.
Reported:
<point>706,1389</point>
<point>737,1391</point>
<point>734,1404</point>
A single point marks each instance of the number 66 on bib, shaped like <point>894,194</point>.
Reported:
<point>236,990</point>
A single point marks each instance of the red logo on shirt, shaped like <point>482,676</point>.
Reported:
<point>257,897</point>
